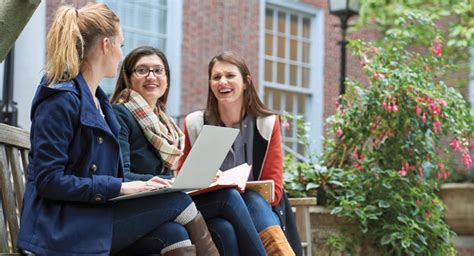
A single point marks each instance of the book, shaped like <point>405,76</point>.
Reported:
<point>266,188</point>
<point>233,178</point>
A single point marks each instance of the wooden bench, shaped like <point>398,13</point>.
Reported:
<point>303,224</point>
<point>14,147</point>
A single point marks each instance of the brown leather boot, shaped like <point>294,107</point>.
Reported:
<point>200,236</point>
<point>275,242</point>
<point>182,251</point>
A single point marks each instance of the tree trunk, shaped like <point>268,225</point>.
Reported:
<point>14,14</point>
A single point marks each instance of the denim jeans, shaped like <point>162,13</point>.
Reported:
<point>224,236</point>
<point>229,205</point>
<point>260,210</point>
<point>146,223</point>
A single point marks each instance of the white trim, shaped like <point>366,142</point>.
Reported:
<point>174,31</point>
<point>261,46</point>
<point>317,81</point>
<point>315,104</point>
<point>471,80</point>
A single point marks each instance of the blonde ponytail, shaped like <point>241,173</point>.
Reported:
<point>63,42</point>
<point>72,35</point>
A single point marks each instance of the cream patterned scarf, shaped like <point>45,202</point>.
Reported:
<point>159,128</point>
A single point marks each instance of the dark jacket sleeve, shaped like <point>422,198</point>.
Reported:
<point>55,121</point>
<point>125,118</point>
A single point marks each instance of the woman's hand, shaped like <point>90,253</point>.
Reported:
<point>138,186</point>
<point>218,174</point>
<point>161,181</point>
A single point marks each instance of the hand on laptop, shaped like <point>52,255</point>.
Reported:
<point>161,181</point>
<point>138,186</point>
<point>218,174</point>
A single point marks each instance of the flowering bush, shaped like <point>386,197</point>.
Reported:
<point>387,142</point>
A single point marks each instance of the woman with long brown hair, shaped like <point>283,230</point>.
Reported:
<point>233,101</point>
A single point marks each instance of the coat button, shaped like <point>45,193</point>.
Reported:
<point>94,167</point>
<point>281,212</point>
<point>100,139</point>
<point>99,198</point>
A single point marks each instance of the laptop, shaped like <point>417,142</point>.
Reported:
<point>201,166</point>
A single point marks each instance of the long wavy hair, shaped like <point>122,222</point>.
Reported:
<point>251,102</point>
<point>126,71</point>
<point>72,36</point>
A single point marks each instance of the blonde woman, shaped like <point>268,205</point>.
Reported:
<point>75,164</point>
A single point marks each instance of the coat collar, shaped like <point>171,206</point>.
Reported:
<point>89,115</point>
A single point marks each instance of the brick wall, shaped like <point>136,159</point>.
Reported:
<point>53,5</point>
<point>209,27</point>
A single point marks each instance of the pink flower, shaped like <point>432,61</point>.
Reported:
<point>441,166</point>
<point>420,171</point>
<point>423,119</point>
<point>364,61</point>
<point>429,214</point>
<point>466,159</point>
<point>286,125</point>
<point>456,144</point>
<point>442,102</point>
<point>445,175</point>
<point>384,104</point>
<point>437,47</point>
<point>337,103</point>
<point>339,132</point>
<point>418,110</point>
<point>395,108</point>
<point>378,76</point>
<point>390,108</point>
<point>374,50</point>
<point>402,172</point>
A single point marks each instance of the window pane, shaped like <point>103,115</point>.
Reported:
<point>281,22</point>
<point>306,27</point>
<point>268,44</point>
<point>305,52</point>
<point>281,47</point>
<point>268,71</point>
<point>305,77</point>
<point>269,19</point>
<point>293,75</point>
<point>302,104</point>
<point>276,99</point>
<point>281,73</point>
<point>289,102</point>
<point>294,25</point>
<point>293,49</point>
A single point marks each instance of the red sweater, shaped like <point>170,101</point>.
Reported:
<point>267,152</point>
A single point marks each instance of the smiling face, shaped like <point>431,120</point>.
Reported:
<point>152,85</point>
<point>227,83</point>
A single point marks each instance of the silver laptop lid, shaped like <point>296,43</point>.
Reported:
<point>206,156</point>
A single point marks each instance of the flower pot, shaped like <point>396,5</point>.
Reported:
<point>460,207</point>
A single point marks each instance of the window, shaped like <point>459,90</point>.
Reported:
<point>290,75</point>
<point>143,23</point>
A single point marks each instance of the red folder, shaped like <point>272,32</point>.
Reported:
<point>233,178</point>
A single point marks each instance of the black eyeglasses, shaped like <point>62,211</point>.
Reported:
<point>144,71</point>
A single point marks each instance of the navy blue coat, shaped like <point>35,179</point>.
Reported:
<point>74,167</point>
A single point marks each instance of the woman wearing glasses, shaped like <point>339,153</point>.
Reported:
<point>152,144</point>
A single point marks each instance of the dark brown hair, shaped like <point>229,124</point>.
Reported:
<point>251,102</point>
<point>126,70</point>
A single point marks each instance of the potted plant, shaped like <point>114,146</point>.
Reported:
<point>387,142</point>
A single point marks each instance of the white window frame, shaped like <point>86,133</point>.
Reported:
<point>316,59</point>
<point>172,49</point>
